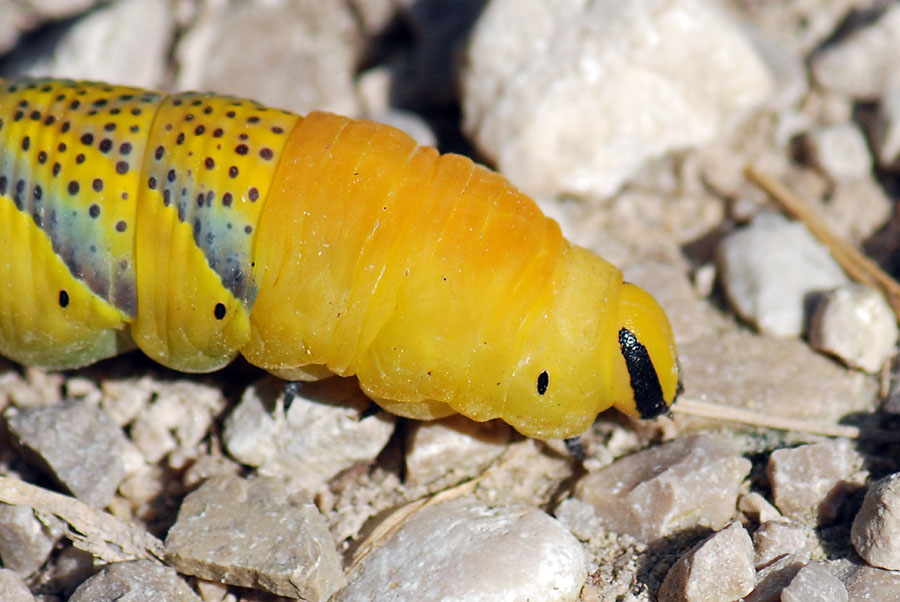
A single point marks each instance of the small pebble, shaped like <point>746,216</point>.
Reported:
<point>776,538</point>
<point>855,323</point>
<point>325,430</point>
<point>814,582</point>
<point>13,588</point>
<point>840,151</point>
<point>176,419</point>
<point>772,579</point>
<point>134,581</point>
<point>876,528</point>
<point>25,543</point>
<point>769,269</point>
<point>465,550</point>
<point>718,569</point>
<point>757,508</point>
<point>71,568</point>
<point>443,452</point>
<point>77,443</point>
<point>249,533</point>
<point>811,481</point>
<point>689,482</point>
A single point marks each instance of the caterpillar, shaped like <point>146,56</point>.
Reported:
<point>196,227</point>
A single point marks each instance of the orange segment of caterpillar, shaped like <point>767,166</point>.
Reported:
<point>197,227</point>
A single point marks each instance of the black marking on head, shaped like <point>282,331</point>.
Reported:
<point>543,382</point>
<point>219,311</point>
<point>63,298</point>
<point>648,395</point>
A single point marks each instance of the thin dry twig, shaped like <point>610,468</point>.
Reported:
<point>855,263</point>
<point>703,409</point>
<point>94,531</point>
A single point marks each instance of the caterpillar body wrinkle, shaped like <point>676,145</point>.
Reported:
<point>197,227</point>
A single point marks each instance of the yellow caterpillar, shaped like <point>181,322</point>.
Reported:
<point>198,227</point>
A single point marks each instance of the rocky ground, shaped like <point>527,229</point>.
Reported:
<point>632,124</point>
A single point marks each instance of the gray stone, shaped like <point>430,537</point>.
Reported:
<point>814,582</point>
<point>856,324</point>
<point>135,581</point>
<point>868,584</point>
<point>77,443</point>
<point>324,431</point>
<point>840,151</point>
<point>811,481</point>
<point>83,50</point>
<point>575,97</point>
<point>720,568</point>
<point>311,45</point>
<point>777,377</point>
<point>250,533</point>
<point>12,587</point>
<point>25,543</point>
<point>689,482</point>
<point>770,268</point>
<point>71,568</point>
<point>876,528</point>
<point>777,538</point>
<point>464,549</point>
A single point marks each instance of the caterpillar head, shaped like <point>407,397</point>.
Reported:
<point>645,381</point>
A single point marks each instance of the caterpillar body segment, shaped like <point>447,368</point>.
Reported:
<point>197,227</point>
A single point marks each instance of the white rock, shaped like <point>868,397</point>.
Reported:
<point>465,550</point>
<point>864,63</point>
<point>810,480</point>
<point>446,451</point>
<point>815,582</point>
<point>770,267</point>
<point>324,431</point>
<point>308,49</point>
<point>840,151</point>
<point>876,528</point>
<point>105,46</point>
<point>856,324</point>
<point>689,482</point>
<point>720,568</point>
<point>574,96</point>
